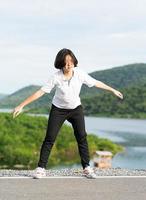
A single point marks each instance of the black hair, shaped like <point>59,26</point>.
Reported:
<point>59,62</point>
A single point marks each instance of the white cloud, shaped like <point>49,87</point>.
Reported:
<point>102,35</point>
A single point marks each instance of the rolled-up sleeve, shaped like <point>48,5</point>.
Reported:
<point>88,80</point>
<point>49,85</point>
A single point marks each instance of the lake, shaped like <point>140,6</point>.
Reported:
<point>131,133</point>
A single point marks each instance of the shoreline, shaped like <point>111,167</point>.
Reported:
<point>126,116</point>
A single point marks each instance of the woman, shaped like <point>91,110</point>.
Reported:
<point>66,105</point>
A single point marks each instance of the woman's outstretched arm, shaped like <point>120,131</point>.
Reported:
<point>102,85</point>
<point>30,99</point>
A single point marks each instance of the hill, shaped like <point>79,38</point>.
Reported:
<point>132,106</point>
<point>122,77</point>
<point>118,77</point>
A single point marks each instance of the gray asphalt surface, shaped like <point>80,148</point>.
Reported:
<point>73,189</point>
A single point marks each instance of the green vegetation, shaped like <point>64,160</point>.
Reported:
<point>21,139</point>
<point>106,104</point>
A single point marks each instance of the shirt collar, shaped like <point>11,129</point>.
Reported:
<point>63,77</point>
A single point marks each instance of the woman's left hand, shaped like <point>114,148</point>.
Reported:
<point>118,94</point>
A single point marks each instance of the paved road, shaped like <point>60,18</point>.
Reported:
<point>73,189</point>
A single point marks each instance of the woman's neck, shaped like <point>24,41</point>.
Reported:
<point>70,73</point>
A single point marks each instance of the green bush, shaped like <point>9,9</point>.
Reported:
<point>21,139</point>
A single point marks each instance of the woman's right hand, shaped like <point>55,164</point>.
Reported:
<point>17,111</point>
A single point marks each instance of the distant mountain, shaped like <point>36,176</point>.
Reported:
<point>14,99</point>
<point>3,95</point>
<point>117,77</point>
<point>18,96</point>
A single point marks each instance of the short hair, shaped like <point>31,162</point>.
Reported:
<point>59,62</point>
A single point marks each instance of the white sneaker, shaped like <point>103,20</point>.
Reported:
<point>89,172</point>
<point>39,172</point>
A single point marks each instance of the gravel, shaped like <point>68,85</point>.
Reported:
<point>74,172</point>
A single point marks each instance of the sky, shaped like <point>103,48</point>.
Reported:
<point>102,34</point>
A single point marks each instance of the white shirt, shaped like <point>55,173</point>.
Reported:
<point>67,91</point>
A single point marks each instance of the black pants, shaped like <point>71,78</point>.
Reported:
<point>56,119</point>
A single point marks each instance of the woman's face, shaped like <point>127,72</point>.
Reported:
<point>69,65</point>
